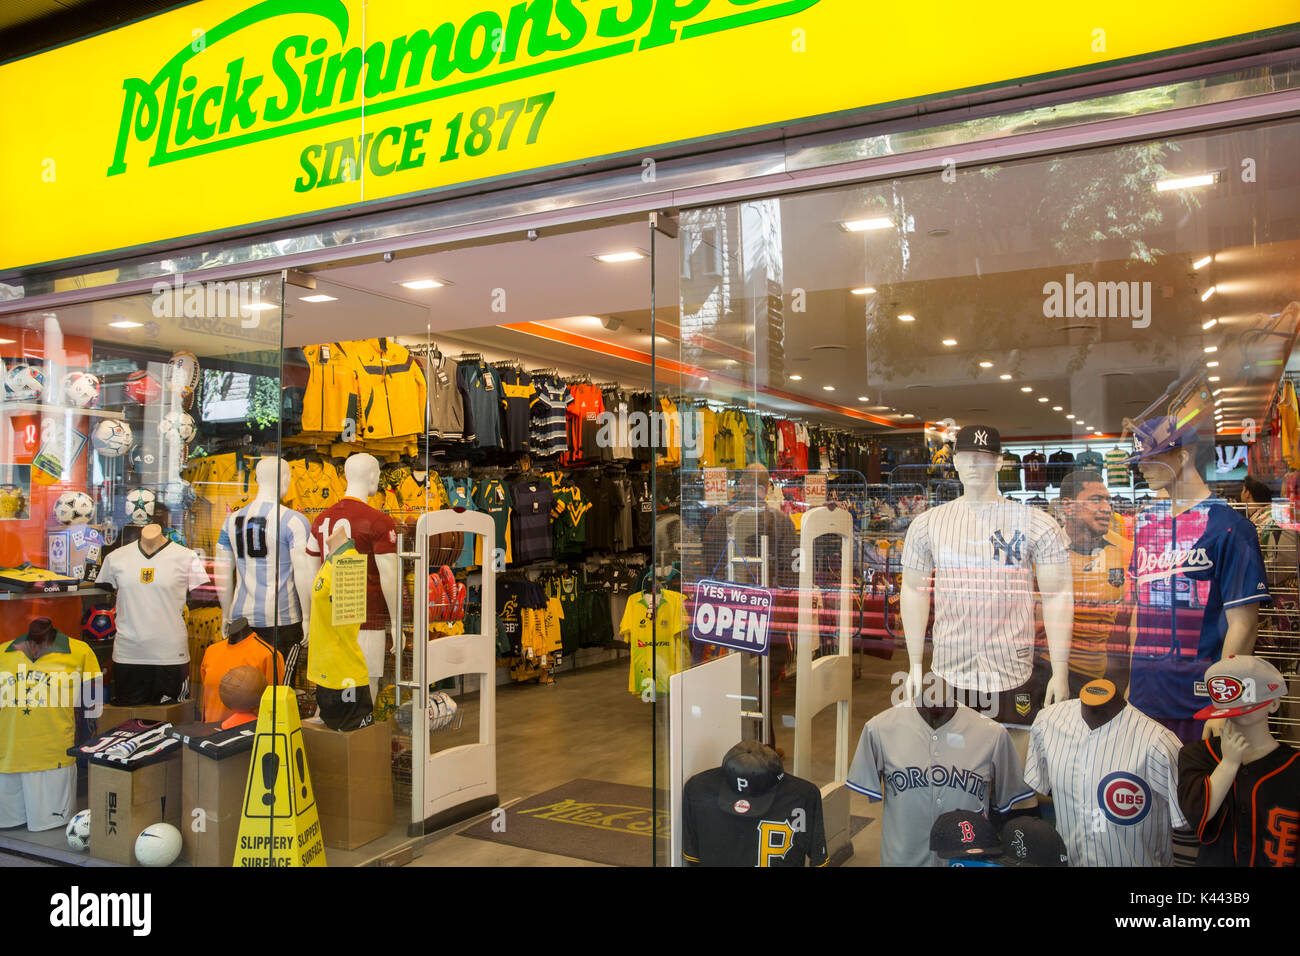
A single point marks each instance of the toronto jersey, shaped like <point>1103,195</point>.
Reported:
<point>263,546</point>
<point>967,763</point>
<point>1115,788</point>
<point>984,555</point>
<point>1186,570</point>
<point>789,832</point>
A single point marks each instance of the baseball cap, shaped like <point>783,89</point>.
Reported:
<point>750,772</point>
<point>1239,684</point>
<point>1158,435</point>
<point>1031,841</point>
<point>983,438</point>
<point>962,833</point>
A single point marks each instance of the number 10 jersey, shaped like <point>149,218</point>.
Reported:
<point>263,549</point>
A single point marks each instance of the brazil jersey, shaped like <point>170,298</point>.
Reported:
<point>37,701</point>
<point>334,658</point>
<point>656,646</point>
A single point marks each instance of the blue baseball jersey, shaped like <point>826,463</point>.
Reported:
<point>1187,569</point>
<point>263,546</point>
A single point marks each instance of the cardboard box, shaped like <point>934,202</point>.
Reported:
<point>178,713</point>
<point>217,788</point>
<point>123,802</point>
<point>352,779</point>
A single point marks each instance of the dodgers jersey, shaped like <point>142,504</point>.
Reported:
<point>983,555</point>
<point>263,547</point>
<point>968,763</point>
<point>1186,570</point>
<point>1115,788</point>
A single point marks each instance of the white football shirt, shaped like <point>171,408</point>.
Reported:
<point>1115,788</point>
<point>151,592</point>
<point>983,555</point>
<point>263,549</point>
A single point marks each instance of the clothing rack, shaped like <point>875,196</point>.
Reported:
<point>469,357</point>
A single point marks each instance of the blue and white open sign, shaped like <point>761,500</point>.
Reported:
<point>732,615</point>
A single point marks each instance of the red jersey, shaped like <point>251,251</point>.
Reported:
<point>786,445</point>
<point>373,532</point>
<point>581,415</point>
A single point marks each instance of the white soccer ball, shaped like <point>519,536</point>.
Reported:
<point>78,831</point>
<point>74,507</point>
<point>112,438</point>
<point>25,382</point>
<point>177,427</point>
<point>442,710</point>
<point>183,372</point>
<point>139,505</point>
<point>81,389</point>
<point>158,844</point>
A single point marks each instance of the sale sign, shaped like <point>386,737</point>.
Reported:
<point>814,490</point>
<point>715,486</point>
<point>732,615</point>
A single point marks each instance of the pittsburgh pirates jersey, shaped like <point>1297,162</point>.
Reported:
<point>1258,823</point>
<point>151,592</point>
<point>790,832</point>
<point>1115,788</point>
<point>968,763</point>
<point>983,555</point>
<point>263,546</point>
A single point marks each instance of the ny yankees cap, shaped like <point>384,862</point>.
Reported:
<point>1239,684</point>
<point>750,772</point>
<point>1030,841</point>
<point>963,833</point>
<point>983,438</point>
<point>1158,435</point>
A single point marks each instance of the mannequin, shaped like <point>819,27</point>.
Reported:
<point>249,539</point>
<point>374,534</point>
<point>1194,547</point>
<point>335,662</point>
<point>965,654</point>
<point>152,538</point>
<point>1099,702</point>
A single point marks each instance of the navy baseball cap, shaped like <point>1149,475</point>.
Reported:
<point>1158,435</point>
<point>983,438</point>
<point>751,773</point>
<point>1031,841</point>
<point>958,834</point>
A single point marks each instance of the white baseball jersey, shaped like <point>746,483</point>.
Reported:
<point>968,763</point>
<point>983,555</point>
<point>263,549</point>
<point>151,592</point>
<point>1115,788</point>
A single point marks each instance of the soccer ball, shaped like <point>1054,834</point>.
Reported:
<point>73,507</point>
<point>158,844</point>
<point>183,372</point>
<point>81,389</point>
<point>25,382</point>
<point>177,427</point>
<point>111,438</point>
<point>143,387</point>
<point>78,831</point>
<point>442,710</point>
<point>99,623</point>
<point>139,505</point>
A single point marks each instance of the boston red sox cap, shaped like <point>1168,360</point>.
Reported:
<point>1030,841</point>
<point>1239,684</point>
<point>964,833</point>
<point>750,772</point>
<point>983,438</point>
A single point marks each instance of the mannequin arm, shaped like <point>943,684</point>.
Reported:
<point>1243,628</point>
<point>1233,745</point>
<point>387,565</point>
<point>914,605</point>
<point>223,570</point>
<point>1056,582</point>
<point>304,574</point>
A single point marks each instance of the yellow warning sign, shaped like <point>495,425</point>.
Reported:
<point>279,825</point>
<point>348,590</point>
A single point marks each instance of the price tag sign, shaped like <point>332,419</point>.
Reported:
<point>732,615</point>
<point>814,490</point>
<point>348,604</point>
<point>715,486</point>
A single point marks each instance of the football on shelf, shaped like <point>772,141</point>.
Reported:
<point>78,831</point>
<point>73,507</point>
<point>143,387</point>
<point>139,505</point>
<point>183,372</point>
<point>81,389</point>
<point>177,427</point>
<point>99,623</point>
<point>25,382</point>
<point>111,438</point>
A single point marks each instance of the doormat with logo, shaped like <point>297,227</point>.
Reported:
<point>610,823</point>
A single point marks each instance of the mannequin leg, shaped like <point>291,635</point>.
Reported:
<point>372,648</point>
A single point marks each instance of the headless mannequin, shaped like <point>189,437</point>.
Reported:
<point>272,485</point>
<point>939,713</point>
<point>1099,703</point>
<point>978,472</point>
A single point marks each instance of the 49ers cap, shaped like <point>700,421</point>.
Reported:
<point>1239,684</point>
<point>751,773</point>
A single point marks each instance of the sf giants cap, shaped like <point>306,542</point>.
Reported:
<point>1030,841</point>
<point>964,833</point>
<point>1239,684</point>
<point>1158,435</point>
<point>751,773</point>
<point>983,438</point>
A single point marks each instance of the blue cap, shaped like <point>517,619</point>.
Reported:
<point>1157,435</point>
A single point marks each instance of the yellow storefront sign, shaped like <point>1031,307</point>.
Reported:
<point>227,113</point>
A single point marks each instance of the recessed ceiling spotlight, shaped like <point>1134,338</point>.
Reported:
<point>905,317</point>
<point>629,255</point>
<point>1005,376</point>
<point>1209,324</point>
<point>1211,364</point>
<point>865,290</point>
<point>1026,388</point>
<point>863,398</point>
<point>1205,296</point>
<point>1211,348</point>
<point>124,324</point>
<point>828,388</point>
<point>1213,378</point>
<point>1071,417</point>
<point>1202,262</point>
<point>986,364</point>
<point>949,342</point>
<point>260,306</point>
<point>866,225</point>
<point>1056,408</point>
<point>423,284</point>
<point>796,378</point>
<point>318,297</point>
<point>1187,182</point>
<point>1043,399</point>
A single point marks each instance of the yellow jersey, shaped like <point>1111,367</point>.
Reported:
<point>1100,587</point>
<point>656,644</point>
<point>334,657</point>
<point>314,485</point>
<point>38,700</point>
<point>333,396</point>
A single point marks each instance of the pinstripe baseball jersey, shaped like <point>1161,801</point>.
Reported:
<point>263,549</point>
<point>983,555</point>
<point>968,763</point>
<point>1115,788</point>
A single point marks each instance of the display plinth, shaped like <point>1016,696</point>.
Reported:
<point>351,774</point>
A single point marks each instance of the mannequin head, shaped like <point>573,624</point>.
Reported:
<point>362,473</point>
<point>272,473</point>
<point>1166,453</point>
<point>976,469</point>
<point>1164,470</point>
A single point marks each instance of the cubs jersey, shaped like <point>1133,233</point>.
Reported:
<point>1115,788</point>
<point>151,592</point>
<point>1187,569</point>
<point>922,772</point>
<point>656,645</point>
<point>984,556</point>
<point>38,700</point>
<point>1258,823</point>
<point>372,533</point>
<point>334,658</point>
<point>262,537</point>
<point>790,832</point>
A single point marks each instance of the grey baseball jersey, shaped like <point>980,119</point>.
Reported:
<point>1115,788</point>
<point>983,555</point>
<point>969,763</point>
